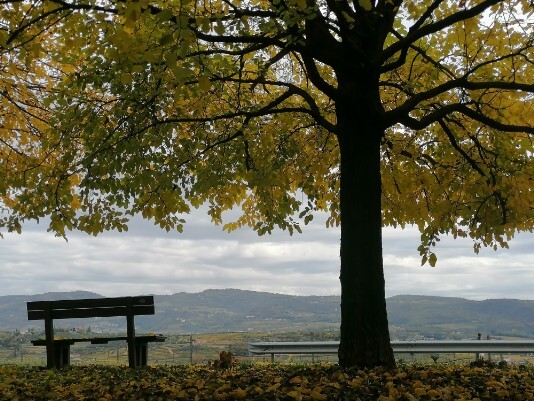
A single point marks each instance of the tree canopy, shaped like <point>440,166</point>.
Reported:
<point>115,108</point>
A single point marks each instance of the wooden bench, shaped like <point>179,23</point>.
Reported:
<point>58,350</point>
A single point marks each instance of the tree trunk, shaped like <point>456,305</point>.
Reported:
<point>364,326</point>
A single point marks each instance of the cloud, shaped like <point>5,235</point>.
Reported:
<point>148,260</point>
<point>460,272</point>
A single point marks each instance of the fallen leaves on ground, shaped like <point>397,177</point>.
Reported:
<point>267,382</point>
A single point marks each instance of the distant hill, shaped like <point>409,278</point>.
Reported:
<point>410,316</point>
<point>443,317</point>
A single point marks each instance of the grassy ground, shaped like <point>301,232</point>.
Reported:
<point>268,382</point>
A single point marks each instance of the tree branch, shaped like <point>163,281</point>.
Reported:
<point>314,110</point>
<point>437,26</point>
<point>317,80</point>
<point>239,39</point>
<point>443,111</point>
<point>396,114</point>
<point>319,42</point>
<point>458,148</point>
<point>402,59</point>
<point>428,13</point>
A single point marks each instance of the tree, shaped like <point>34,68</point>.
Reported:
<point>381,112</point>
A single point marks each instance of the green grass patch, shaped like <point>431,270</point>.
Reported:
<point>267,382</point>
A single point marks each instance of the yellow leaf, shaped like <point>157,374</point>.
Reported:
<point>316,395</point>
<point>75,202</point>
<point>273,388</point>
<point>75,179</point>
<point>133,11</point>
<point>3,38</point>
<point>297,395</point>
<point>419,391</point>
<point>356,383</point>
<point>219,27</point>
<point>348,18</point>
<point>301,4</point>
<point>224,388</point>
<point>204,83</point>
<point>126,78</point>
<point>239,393</point>
<point>170,59</point>
<point>138,68</point>
<point>365,4</point>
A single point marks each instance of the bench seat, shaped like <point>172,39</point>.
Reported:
<point>101,340</point>
<point>62,347</point>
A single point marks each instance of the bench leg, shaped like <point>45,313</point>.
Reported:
<point>63,352</point>
<point>141,354</point>
<point>50,356</point>
<point>58,356</point>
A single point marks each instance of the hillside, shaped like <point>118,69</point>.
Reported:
<point>410,316</point>
<point>442,317</point>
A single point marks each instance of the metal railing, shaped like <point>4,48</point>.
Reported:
<point>410,347</point>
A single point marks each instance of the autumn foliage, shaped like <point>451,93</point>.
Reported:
<point>377,112</point>
<point>267,382</point>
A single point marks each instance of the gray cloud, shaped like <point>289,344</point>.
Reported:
<point>148,260</point>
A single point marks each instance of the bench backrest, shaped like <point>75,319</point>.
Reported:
<point>97,307</point>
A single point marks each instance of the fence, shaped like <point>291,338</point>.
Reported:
<point>432,347</point>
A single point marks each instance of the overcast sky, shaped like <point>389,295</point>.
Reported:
<point>148,260</point>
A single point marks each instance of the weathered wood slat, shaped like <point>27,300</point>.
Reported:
<point>101,340</point>
<point>91,312</point>
<point>91,303</point>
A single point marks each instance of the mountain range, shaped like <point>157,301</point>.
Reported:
<point>410,316</point>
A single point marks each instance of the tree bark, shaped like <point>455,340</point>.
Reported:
<point>364,330</point>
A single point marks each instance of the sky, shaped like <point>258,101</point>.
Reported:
<point>147,260</point>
